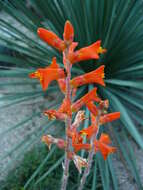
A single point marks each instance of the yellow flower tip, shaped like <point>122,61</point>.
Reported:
<point>101,50</point>
<point>73,109</point>
<point>83,134</point>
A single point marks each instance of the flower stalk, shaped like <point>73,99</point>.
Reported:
<point>91,154</point>
<point>67,122</point>
<point>73,141</point>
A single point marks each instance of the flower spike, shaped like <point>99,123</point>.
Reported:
<point>51,38</point>
<point>48,74</point>
<point>95,76</point>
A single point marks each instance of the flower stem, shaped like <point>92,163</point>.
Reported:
<point>90,155</point>
<point>67,123</point>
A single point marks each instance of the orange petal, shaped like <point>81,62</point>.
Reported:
<point>104,138</point>
<point>95,76</point>
<point>92,108</point>
<point>68,33</point>
<point>62,85</point>
<point>78,147</point>
<point>89,131</point>
<point>90,96</point>
<point>48,74</point>
<point>65,107</point>
<point>51,38</point>
<point>54,64</point>
<point>104,149</point>
<point>109,117</point>
<point>86,53</point>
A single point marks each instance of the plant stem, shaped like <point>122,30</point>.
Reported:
<point>67,123</point>
<point>90,155</point>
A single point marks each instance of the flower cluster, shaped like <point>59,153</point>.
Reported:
<point>74,142</point>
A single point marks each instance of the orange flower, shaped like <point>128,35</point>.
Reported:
<point>75,136</point>
<point>89,131</point>
<point>104,138</point>
<point>78,147</point>
<point>109,117</point>
<point>51,38</point>
<point>95,76</point>
<point>62,85</point>
<point>92,108</point>
<point>68,33</point>
<point>53,114</point>
<point>102,145</point>
<point>48,74</point>
<point>86,53</point>
<point>90,96</point>
<point>65,107</point>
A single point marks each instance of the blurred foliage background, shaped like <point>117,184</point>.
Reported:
<point>119,24</point>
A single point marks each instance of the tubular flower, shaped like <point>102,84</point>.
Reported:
<point>90,96</point>
<point>75,136</point>
<point>86,53</point>
<point>89,131</point>
<point>68,34</point>
<point>65,107</point>
<point>78,147</point>
<point>109,117</point>
<point>95,76</point>
<point>92,108</point>
<point>49,140</point>
<point>53,114</point>
<point>48,74</point>
<point>62,85</point>
<point>102,145</point>
<point>51,38</point>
